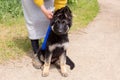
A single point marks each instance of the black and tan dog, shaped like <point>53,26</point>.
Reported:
<point>57,42</point>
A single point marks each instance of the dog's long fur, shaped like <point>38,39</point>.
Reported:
<point>57,42</point>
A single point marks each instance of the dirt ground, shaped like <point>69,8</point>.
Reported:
<point>95,51</point>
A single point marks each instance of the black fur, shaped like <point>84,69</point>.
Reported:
<point>60,24</point>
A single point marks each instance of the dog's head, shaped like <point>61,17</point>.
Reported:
<point>62,21</point>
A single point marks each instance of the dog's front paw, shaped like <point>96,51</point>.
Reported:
<point>64,74</point>
<point>45,74</point>
<point>64,71</point>
<point>45,71</point>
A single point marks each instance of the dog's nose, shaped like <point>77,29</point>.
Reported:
<point>60,31</point>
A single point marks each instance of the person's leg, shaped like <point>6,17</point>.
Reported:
<point>35,45</point>
<point>36,23</point>
<point>35,61</point>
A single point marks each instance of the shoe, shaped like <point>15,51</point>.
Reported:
<point>36,62</point>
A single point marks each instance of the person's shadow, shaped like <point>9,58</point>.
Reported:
<point>23,43</point>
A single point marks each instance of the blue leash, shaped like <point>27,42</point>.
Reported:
<point>46,37</point>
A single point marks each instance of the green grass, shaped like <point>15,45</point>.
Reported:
<point>84,11</point>
<point>10,11</point>
<point>14,42</point>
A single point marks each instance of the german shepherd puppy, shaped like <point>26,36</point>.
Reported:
<point>57,42</point>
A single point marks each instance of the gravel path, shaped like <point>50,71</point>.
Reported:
<point>96,52</point>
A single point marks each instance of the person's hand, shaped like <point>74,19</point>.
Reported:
<point>48,13</point>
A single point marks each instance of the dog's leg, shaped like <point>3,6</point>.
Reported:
<point>63,64</point>
<point>48,57</point>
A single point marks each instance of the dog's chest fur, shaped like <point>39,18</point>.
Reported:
<point>57,44</point>
<point>58,49</point>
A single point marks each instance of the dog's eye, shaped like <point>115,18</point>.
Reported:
<point>63,22</point>
<point>58,21</point>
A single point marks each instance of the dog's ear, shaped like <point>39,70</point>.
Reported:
<point>53,20</point>
<point>56,15</point>
<point>68,13</point>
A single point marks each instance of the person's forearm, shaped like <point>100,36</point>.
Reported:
<point>40,3</point>
<point>44,10</point>
<point>47,13</point>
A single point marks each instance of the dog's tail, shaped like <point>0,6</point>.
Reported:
<point>70,62</point>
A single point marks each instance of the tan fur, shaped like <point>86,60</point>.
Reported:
<point>46,66</point>
<point>63,65</point>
